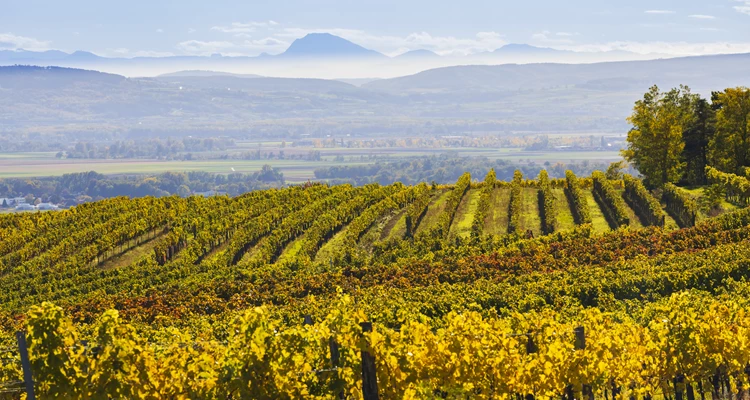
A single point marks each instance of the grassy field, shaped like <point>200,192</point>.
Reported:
<point>291,250</point>
<point>396,152</point>
<point>530,211</point>
<point>461,225</point>
<point>597,217</point>
<point>565,219</point>
<point>294,170</point>
<point>497,219</point>
<point>434,209</point>
<point>36,164</point>
<point>635,222</point>
<point>132,255</point>
<point>395,226</point>
<point>698,192</point>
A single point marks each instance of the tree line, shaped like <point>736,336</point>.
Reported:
<point>153,148</point>
<point>447,168</point>
<point>86,186</point>
<point>676,134</point>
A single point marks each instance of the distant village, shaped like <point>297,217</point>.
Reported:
<point>30,204</point>
<point>22,204</point>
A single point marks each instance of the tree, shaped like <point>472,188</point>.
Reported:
<point>183,191</point>
<point>270,174</point>
<point>730,148</point>
<point>614,171</point>
<point>711,200</point>
<point>655,142</point>
<point>697,138</point>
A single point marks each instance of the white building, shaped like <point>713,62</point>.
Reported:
<point>47,207</point>
<point>25,207</point>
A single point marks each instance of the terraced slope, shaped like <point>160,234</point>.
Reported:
<point>246,297</point>
<point>176,239</point>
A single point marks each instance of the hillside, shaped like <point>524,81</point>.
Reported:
<point>605,77</point>
<point>438,271</point>
<point>531,97</point>
<point>35,97</point>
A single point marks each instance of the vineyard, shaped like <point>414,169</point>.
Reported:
<point>537,288</point>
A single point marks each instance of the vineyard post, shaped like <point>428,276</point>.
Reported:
<point>369,375</point>
<point>531,348</point>
<point>580,344</point>
<point>28,378</point>
<point>701,390</point>
<point>334,348</point>
<point>615,391</point>
<point>689,391</point>
<point>580,333</point>
<point>678,387</point>
<point>335,356</point>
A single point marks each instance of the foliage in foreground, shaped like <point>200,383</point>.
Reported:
<point>689,335</point>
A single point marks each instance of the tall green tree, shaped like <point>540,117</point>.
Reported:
<point>655,142</point>
<point>730,147</point>
<point>697,138</point>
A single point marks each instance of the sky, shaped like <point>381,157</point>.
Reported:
<point>240,27</point>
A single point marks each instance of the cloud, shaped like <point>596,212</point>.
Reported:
<point>659,12</point>
<point>227,48</point>
<point>127,53</point>
<point>160,30</point>
<point>744,8</point>
<point>701,16</point>
<point>244,27</point>
<point>191,30</point>
<point>204,47</point>
<point>9,41</point>
<point>552,38</point>
<point>665,48</point>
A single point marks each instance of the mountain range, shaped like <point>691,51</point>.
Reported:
<point>326,56</point>
<point>312,45</point>
<point>527,97</point>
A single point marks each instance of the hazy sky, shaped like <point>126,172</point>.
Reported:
<point>154,27</point>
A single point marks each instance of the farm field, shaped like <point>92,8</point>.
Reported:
<point>265,282</point>
<point>13,165</point>
<point>34,165</point>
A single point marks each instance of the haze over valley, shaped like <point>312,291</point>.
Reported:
<point>509,97</point>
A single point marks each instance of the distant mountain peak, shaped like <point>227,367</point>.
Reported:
<point>83,55</point>
<point>419,53</point>
<point>326,44</point>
